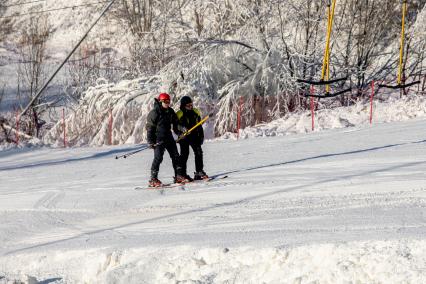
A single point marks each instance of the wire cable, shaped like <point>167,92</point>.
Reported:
<point>66,59</point>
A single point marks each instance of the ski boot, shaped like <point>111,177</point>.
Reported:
<point>201,175</point>
<point>155,182</point>
<point>190,179</point>
<point>181,179</point>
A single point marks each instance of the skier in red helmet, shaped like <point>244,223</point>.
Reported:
<point>160,120</point>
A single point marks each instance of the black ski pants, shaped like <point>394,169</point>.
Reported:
<point>159,150</point>
<point>198,153</point>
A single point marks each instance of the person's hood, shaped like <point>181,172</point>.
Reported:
<point>157,105</point>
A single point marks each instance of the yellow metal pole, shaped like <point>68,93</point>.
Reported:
<point>326,63</point>
<point>401,48</point>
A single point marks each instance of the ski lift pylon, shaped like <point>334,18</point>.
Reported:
<point>325,72</point>
<point>400,82</point>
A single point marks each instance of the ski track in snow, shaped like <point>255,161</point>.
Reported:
<point>329,207</point>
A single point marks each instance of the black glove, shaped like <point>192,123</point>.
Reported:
<point>182,129</point>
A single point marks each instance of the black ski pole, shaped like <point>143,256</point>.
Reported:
<point>131,153</point>
<point>136,151</point>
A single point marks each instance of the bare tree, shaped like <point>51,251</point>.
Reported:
<point>366,37</point>
<point>5,119</point>
<point>32,48</point>
<point>151,23</point>
<point>199,11</point>
<point>83,70</point>
<point>2,87</point>
<point>6,24</point>
<point>139,16</point>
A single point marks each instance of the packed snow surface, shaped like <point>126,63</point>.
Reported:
<point>339,206</point>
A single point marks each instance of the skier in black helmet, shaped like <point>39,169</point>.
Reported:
<point>160,120</point>
<point>188,116</point>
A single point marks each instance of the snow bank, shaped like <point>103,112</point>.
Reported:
<point>357,262</point>
<point>358,115</point>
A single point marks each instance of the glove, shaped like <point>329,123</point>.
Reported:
<point>181,138</point>
<point>182,129</point>
<point>151,145</point>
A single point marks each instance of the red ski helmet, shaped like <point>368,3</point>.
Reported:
<point>164,97</point>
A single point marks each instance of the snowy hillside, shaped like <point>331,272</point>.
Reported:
<point>337,206</point>
<point>213,50</point>
<point>68,21</point>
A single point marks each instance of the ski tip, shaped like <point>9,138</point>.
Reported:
<point>218,177</point>
<point>147,188</point>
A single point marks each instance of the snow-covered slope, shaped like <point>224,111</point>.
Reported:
<point>337,206</point>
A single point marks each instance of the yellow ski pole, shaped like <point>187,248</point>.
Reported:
<point>195,126</point>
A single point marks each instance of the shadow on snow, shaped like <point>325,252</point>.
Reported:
<point>71,160</point>
<point>318,157</point>
<point>248,199</point>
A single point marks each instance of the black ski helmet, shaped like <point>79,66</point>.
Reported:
<point>185,100</point>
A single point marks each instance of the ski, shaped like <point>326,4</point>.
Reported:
<point>217,177</point>
<point>208,180</point>
<point>180,186</point>
<point>163,186</point>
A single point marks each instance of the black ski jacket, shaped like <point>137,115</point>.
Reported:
<point>187,119</point>
<point>159,123</point>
